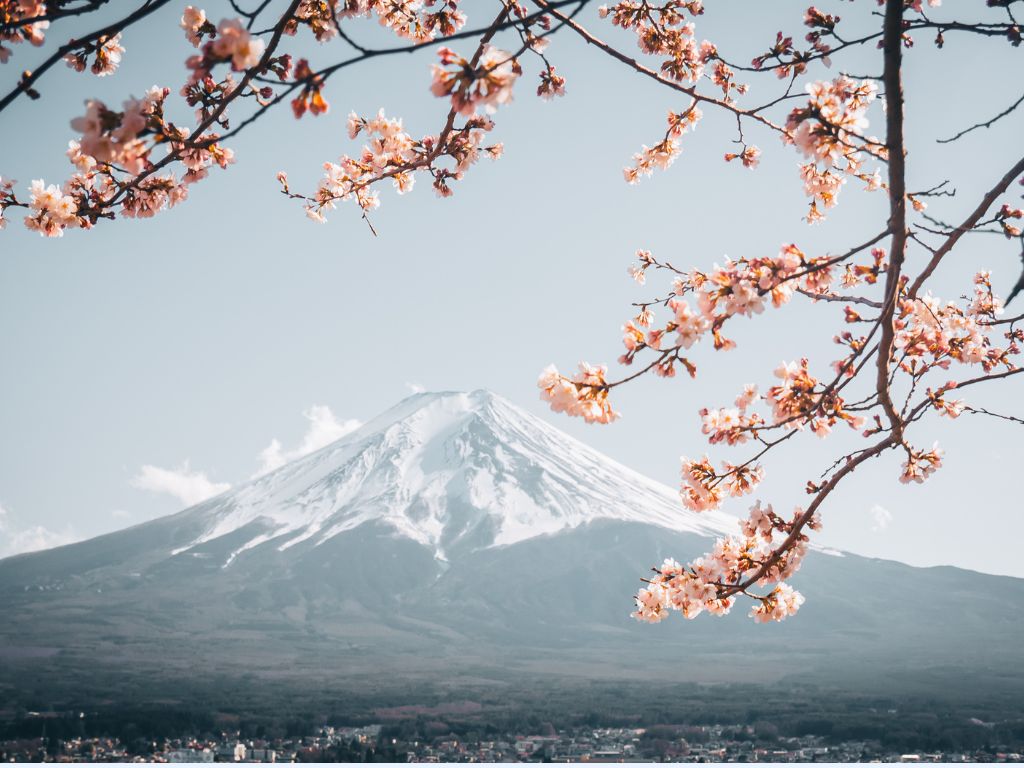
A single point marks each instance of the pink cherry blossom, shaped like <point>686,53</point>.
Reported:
<point>193,21</point>
<point>486,85</point>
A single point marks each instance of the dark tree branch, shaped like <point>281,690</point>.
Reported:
<point>30,77</point>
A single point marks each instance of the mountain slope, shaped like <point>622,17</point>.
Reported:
<point>458,535</point>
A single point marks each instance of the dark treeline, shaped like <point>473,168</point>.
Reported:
<point>965,720</point>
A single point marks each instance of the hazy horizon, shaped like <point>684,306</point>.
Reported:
<point>323,430</point>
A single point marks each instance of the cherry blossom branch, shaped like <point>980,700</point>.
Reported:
<point>852,462</point>
<point>986,124</point>
<point>915,336</point>
<point>983,412</point>
<point>968,225</point>
<point>841,257</point>
<point>30,77</point>
<point>50,16</point>
<point>1006,321</point>
<point>648,72</point>
<point>987,30</point>
<point>214,116</point>
<point>841,298</point>
<point>805,518</point>
<point>367,54</point>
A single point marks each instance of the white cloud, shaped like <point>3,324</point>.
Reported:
<point>189,487</point>
<point>415,388</point>
<point>324,429</point>
<point>880,518</point>
<point>15,541</point>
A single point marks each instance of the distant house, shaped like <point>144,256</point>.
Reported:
<point>231,753</point>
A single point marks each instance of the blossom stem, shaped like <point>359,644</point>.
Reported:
<point>969,224</point>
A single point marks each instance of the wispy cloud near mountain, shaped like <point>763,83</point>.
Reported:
<point>191,486</point>
<point>16,540</point>
<point>880,518</point>
<point>324,429</point>
<point>183,483</point>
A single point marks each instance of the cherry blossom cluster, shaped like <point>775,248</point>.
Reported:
<point>1007,214</point>
<point>52,209</point>
<point>320,16</point>
<point>780,603</point>
<point>486,85</point>
<point>920,464</point>
<point>800,400</point>
<point>311,96</point>
<point>409,19</point>
<point>389,150</point>
<point>932,334</point>
<point>749,157</point>
<point>703,487</point>
<point>15,15</point>
<point>585,394</point>
<point>235,47</point>
<point>231,43</point>
<point>663,154</point>
<point>733,426</point>
<point>196,25</point>
<point>118,167</point>
<point>739,287</point>
<point>733,566</point>
<point>118,138</point>
<point>830,131</point>
<point>857,274</point>
<point>786,61</point>
<point>7,198</point>
<point>949,407</point>
<point>551,84</point>
<point>664,31</point>
<point>391,153</point>
<point>473,86</point>
<point>678,588</point>
<point>106,53</point>
<point>114,165</point>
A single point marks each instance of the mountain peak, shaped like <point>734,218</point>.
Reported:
<point>453,400</point>
<point>452,404</point>
<point>451,471</point>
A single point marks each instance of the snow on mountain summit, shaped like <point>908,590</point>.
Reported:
<point>447,470</point>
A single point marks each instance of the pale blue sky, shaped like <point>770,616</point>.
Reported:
<point>202,334</point>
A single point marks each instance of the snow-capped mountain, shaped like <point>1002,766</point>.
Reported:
<point>454,535</point>
<point>447,470</point>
